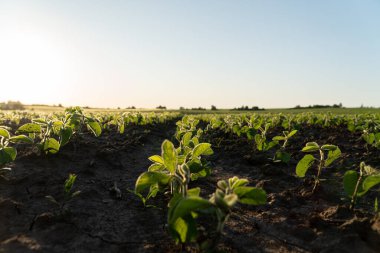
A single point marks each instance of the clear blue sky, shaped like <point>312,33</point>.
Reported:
<point>190,53</point>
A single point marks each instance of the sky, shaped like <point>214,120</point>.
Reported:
<point>271,54</point>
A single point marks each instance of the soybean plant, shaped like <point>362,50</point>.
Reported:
<point>184,212</point>
<point>175,167</point>
<point>333,153</point>
<point>261,139</point>
<point>358,184</point>
<point>7,153</point>
<point>68,194</point>
<point>371,139</point>
<point>281,155</point>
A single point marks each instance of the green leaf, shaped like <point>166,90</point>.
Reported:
<point>251,133</point>
<point>184,229</point>
<point>231,199</point>
<point>95,128</point>
<point>202,149</point>
<point>181,227</point>
<point>186,139</point>
<point>377,137</point>
<point>292,133</point>
<point>310,148</point>
<point>69,183</point>
<point>259,142</point>
<point>147,179</point>
<point>237,130</point>
<point>251,195</point>
<point>368,170</point>
<point>40,121</point>
<point>121,128</point>
<point>7,154</point>
<point>369,138</point>
<point>4,133</point>
<point>269,145</point>
<point>350,179</point>
<point>156,159</point>
<point>203,173</point>
<point>194,192</point>
<point>21,138</point>
<point>57,125</point>
<point>329,147</point>
<point>282,157</point>
<point>29,128</point>
<point>304,164</point>
<point>370,182</point>
<point>312,144</point>
<point>195,165</point>
<point>332,155</point>
<point>195,141</point>
<point>169,155</point>
<point>222,184</point>
<point>278,138</point>
<point>156,167</point>
<point>187,205</point>
<point>65,135</point>
<point>51,146</point>
<point>239,182</point>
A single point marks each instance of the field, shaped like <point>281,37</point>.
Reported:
<point>152,181</point>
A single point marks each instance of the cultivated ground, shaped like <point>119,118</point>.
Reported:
<point>292,221</point>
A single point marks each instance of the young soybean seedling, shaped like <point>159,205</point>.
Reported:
<point>358,184</point>
<point>68,194</point>
<point>184,212</point>
<point>261,139</point>
<point>333,153</point>
<point>7,153</point>
<point>281,155</point>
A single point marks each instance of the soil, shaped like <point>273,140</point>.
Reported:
<point>294,220</point>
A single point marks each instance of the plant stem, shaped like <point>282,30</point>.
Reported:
<point>354,195</point>
<point>320,166</point>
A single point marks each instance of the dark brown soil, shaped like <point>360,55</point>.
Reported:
<point>292,221</point>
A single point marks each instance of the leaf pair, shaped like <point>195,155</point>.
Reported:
<point>369,177</point>
<point>333,153</point>
<point>184,211</point>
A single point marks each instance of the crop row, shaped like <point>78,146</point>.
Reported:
<point>192,218</point>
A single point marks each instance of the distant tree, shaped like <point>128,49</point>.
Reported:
<point>161,107</point>
<point>213,108</point>
<point>246,108</point>
<point>182,108</point>
<point>60,105</point>
<point>12,105</point>
<point>319,106</point>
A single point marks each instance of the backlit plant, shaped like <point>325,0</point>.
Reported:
<point>8,153</point>
<point>358,184</point>
<point>185,212</point>
<point>324,160</point>
<point>68,195</point>
<point>281,155</point>
<point>175,168</point>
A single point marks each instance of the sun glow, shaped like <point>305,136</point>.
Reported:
<point>32,67</point>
